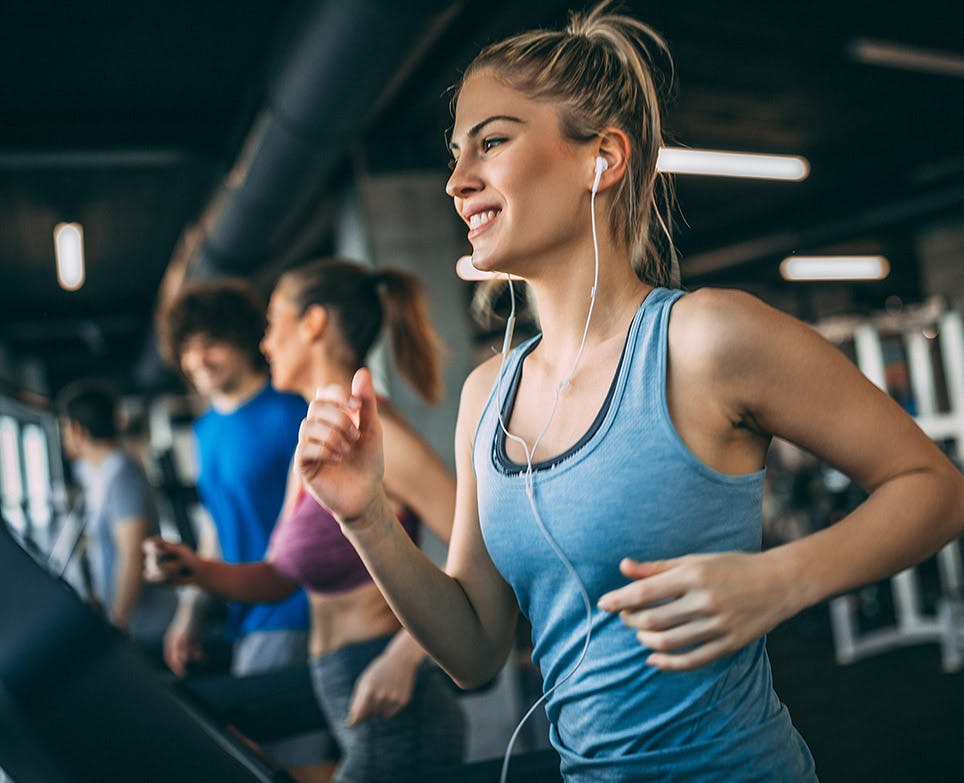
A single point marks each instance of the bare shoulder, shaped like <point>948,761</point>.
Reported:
<point>713,314</point>
<point>403,444</point>
<point>476,391</point>
<point>392,420</point>
<point>721,329</point>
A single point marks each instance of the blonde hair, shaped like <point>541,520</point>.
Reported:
<point>600,72</point>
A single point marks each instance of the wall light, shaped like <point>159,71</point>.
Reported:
<point>69,249</point>
<point>834,268</point>
<point>465,270</point>
<point>909,58</point>
<point>716,163</point>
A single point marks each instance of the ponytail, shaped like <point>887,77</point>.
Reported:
<point>416,346</point>
<point>360,300</point>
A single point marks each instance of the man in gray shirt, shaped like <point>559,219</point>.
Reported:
<point>120,511</point>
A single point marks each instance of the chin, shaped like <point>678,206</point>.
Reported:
<point>491,263</point>
<point>280,382</point>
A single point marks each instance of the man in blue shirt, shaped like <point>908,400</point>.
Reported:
<point>245,441</point>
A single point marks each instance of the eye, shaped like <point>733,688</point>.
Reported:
<point>452,162</point>
<point>492,141</point>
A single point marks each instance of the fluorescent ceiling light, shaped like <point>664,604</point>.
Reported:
<point>69,249</point>
<point>465,270</point>
<point>908,58</point>
<point>834,268</point>
<point>716,163</point>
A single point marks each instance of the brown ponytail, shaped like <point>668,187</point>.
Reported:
<point>416,346</point>
<point>360,300</point>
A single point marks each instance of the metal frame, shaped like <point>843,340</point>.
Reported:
<point>913,626</point>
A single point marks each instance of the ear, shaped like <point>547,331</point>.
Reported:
<point>313,322</point>
<point>613,146</point>
<point>75,431</point>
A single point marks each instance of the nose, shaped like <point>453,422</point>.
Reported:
<point>263,347</point>
<point>191,356</point>
<point>464,180</point>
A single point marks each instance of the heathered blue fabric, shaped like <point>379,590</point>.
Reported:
<point>633,489</point>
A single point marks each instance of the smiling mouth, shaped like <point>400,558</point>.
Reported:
<point>480,219</point>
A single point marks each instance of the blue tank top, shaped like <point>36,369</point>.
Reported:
<point>631,488</point>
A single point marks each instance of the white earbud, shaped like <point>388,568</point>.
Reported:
<point>601,166</point>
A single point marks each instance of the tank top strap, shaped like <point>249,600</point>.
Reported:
<point>503,385</point>
<point>644,394</point>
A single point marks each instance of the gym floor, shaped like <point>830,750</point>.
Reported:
<point>891,717</point>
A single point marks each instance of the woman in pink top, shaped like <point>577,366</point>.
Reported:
<point>389,715</point>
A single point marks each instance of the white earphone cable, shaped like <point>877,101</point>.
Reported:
<point>530,454</point>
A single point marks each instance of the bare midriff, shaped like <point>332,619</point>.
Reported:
<point>355,616</point>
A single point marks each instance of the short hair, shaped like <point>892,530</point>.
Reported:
<point>227,309</point>
<point>93,404</point>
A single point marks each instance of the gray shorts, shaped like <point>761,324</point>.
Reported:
<point>428,734</point>
<point>262,651</point>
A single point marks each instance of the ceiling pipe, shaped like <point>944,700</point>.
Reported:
<point>344,60</point>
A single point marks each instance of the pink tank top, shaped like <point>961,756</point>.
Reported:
<point>308,547</point>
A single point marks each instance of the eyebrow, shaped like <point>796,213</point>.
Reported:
<point>476,129</point>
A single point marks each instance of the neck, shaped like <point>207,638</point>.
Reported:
<point>563,299</point>
<point>321,374</point>
<point>95,452</point>
<point>250,383</point>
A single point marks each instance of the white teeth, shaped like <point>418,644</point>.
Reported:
<point>481,218</point>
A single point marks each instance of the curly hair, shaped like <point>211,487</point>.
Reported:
<point>227,309</point>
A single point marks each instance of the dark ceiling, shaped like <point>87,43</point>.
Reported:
<point>127,117</point>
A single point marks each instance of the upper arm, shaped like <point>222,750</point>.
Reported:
<point>132,511</point>
<point>129,534</point>
<point>416,475</point>
<point>790,382</point>
<point>468,561</point>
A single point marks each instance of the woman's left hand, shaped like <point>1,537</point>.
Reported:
<point>694,609</point>
<point>383,689</point>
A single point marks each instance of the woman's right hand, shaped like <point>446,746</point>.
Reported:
<point>339,456</point>
<point>170,563</point>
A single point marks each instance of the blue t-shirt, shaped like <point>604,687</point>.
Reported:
<point>244,458</point>
<point>632,488</point>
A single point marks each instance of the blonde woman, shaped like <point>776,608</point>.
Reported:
<point>628,445</point>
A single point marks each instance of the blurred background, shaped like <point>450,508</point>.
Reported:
<point>193,140</point>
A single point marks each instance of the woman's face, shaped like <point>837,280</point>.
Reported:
<point>520,185</point>
<point>284,345</point>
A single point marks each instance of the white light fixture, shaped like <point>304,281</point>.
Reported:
<point>69,249</point>
<point>465,270</point>
<point>716,163</point>
<point>799,268</point>
<point>907,58</point>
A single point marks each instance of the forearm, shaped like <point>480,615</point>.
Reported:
<point>245,582</point>
<point>432,605</point>
<point>901,523</point>
<point>127,590</point>
<point>404,647</point>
